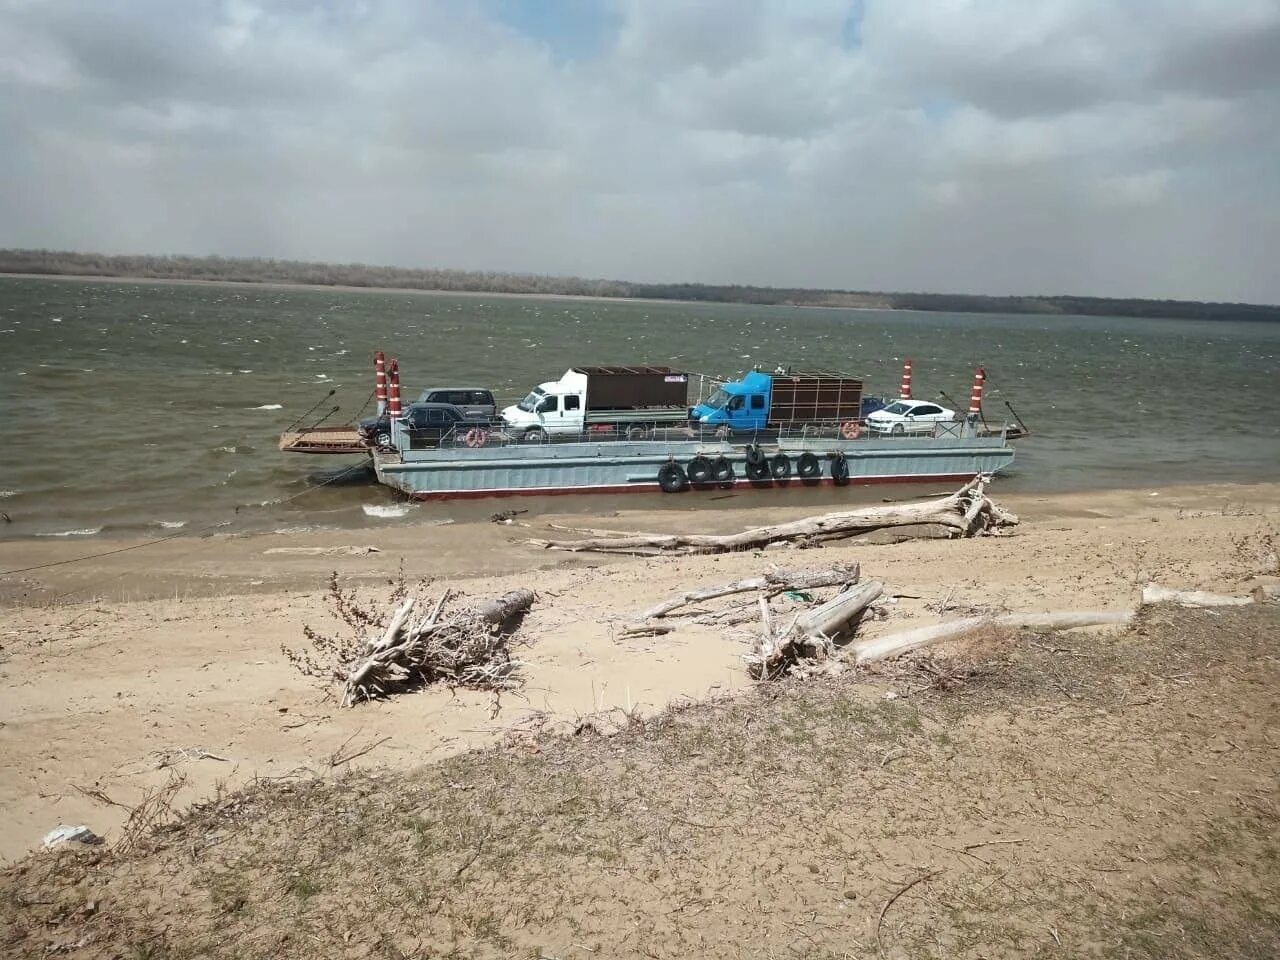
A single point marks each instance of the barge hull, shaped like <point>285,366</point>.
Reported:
<point>623,467</point>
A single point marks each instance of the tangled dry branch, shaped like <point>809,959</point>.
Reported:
<point>418,642</point>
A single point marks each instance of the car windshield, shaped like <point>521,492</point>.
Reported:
<point>530,403</point>
<point>898,408</point>
<point>718,399</point>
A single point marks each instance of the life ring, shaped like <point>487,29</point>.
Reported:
<point>807,466</point>
<point>851,429</point>
<point>839,469</point>
<point>780,467</point>
<point>671,478</point>
<point>755,456</point>
<point>477,437</point>
<point>700,470</point>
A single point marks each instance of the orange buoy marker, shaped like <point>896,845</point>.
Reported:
<point>905,392</point>
<point>380,381</point>
<point>393,398</point>
<point>975,398</point>
<point>850,429</point>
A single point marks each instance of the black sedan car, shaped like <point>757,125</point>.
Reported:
<point>427,425</point>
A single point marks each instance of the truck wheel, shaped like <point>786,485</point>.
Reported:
<point>723,432</point>
<point>637,433</point>
<point>699,470</point>
<point>780,467</point>
<point>671,478</point>
<point>807,466</point>
<point>383,439</point>
<point>535,435</point>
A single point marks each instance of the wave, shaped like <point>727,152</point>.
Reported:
<point>169,524</point>
<point>85,532</point>
<point>269,406</point>
<point>6,494</point>
<point>386,509</point>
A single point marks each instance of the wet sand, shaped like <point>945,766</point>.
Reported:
<point>123,671</point>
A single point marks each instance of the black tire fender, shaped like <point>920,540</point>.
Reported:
<point>722,469</point>
<point>780,466</point>
<point>755,456</point>
<point>840,469</point>
<point>671,478</point>
<point>807,466</point>
<point>700,470</point>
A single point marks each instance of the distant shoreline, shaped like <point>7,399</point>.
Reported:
<point>356,277</point>
<point>351,288</point>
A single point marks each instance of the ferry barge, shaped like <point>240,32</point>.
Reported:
<point>808,430</point>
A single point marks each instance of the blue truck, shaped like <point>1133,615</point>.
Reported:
<point>766,401</point>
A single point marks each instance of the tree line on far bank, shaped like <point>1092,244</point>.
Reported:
<point>264,270</point>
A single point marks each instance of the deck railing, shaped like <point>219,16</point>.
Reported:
<point>480,435</point>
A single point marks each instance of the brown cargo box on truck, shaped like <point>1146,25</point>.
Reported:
<point>814,397</point>
<point>631,388</point>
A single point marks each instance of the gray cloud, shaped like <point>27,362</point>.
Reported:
<point>988,146</point>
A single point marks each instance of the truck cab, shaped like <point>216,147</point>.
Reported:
<point>555,407</point>
<point>741,405</point>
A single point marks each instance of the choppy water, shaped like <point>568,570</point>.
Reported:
<point>150,409</point>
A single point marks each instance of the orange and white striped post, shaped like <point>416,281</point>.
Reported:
<point>905,392</point>
<point>380,381</point>
<point>393,397</point>
<point>975,398</point>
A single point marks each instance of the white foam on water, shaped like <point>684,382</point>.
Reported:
<point>85,532</point>
<point>169,524</point>
<point>386,509</point>
<point>269,406</point>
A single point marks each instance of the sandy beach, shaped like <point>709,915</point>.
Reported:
<point>124,671</point>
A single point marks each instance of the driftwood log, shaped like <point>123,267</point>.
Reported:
<point>811,635</point>
<point>1154,593</point>
<point>771,583</point>
<point>1266,593</point>
<point>896,644</point>
<point>466,648</point>
<point>966,512</point>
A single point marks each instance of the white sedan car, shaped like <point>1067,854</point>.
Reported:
<point>909,416</point>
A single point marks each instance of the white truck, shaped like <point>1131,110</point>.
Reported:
<point>621,401</point>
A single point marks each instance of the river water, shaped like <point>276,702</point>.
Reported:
<point>143,409</point>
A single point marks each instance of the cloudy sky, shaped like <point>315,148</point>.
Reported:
<point>1111,147</point>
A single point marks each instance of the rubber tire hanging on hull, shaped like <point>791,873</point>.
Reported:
<point>671,478</point>
<point>839,470</point>
<point>700,470</point>
<point>780,467</point>
<point>757,463</point>
<point>722,470</point>
<point>808,467</point>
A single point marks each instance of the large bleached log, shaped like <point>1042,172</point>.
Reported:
<point>964,513</point>
<point>1154,593</point>
<point>772,582</point>
<point>840,614</point>
<point>809,636</point>
<point>896,644</point>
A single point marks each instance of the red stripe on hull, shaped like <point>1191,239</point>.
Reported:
<point>702,487</point>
